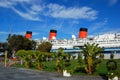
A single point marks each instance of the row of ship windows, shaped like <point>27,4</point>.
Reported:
<point>86,42</point>
<point>89,41</point>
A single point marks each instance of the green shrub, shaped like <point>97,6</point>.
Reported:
<point>111,65</point>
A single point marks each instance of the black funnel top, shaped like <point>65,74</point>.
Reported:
<point>83,29</point>
<point>55,31</point>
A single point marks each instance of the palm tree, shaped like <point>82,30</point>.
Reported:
<point>59,57</point>
<point>62,60</point>
<point>25,56</point>
<point>91,51</point>
<point>39,57</point>
<point>59,60</point>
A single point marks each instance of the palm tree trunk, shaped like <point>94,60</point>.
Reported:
<point>89,70</point>
<point>27,65</point>
<point>89,60</point>
<point>39,66</point>
<point>59,70</point>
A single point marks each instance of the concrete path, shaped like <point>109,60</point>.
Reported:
<point>28,74</point>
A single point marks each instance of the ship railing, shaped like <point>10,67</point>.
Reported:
<point>85,41</point>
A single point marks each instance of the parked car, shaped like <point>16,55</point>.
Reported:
<point>2,54</point>
<point>2,51</point>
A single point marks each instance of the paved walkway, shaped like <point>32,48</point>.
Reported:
<point>28,74</point>
<point>10,73</point>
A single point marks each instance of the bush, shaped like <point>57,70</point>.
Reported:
<point>111,65</point>
<point>80,69</point>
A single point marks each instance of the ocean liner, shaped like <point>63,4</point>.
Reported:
<point>110,42</point>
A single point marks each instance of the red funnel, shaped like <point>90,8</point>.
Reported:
<point>28,35</point>
<point>83,33</point>
<point>52,34</point>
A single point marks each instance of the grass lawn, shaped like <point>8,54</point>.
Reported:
<point>49,66</point>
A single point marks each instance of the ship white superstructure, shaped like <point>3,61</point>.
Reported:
<point>105,40</point>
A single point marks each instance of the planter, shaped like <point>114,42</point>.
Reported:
<point>66,73</point>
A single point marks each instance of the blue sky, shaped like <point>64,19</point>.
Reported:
<point>65,16</point>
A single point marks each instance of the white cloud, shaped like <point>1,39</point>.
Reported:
<point>98,25</point>
<point>36,8</point>
<point>35,33</point>
<point>18,33</point>
<point>6,4</point>
<point>2,33</point>
<point>21,1</point>
<point>102,27</point>
<point>75,22</point>
<point>6,33</point>
<point>36,11</point>
<point>11,3</point>
<point>28,16</point>
<point>112,2</point>
<point>58,11</point>
<point>23,33</point>
<point>55,7</point>
<point>111,29</point>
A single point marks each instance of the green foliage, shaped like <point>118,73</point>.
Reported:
<point>21,53</point>
<point>49,66</point>
<point>117,73</point>
<point>26,56</point>
<point>62,60</point>
<point>91,52</point>
<point>3,45</point>
<point>111,65</point>
<point>111,56</point>
<point>59,60</point>
<point>18,42</point>
<point>80,59</point>
<point>101,56</point>
<point>45,47</point>
<point>66,62</point>
<point>80,64</point>
<point>39,58</point>
<point>33,58</point>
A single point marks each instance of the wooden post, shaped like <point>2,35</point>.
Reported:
<point>5,59</point>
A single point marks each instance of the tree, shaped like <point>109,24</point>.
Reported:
<point>39,58</point>
<point>26,56</point>
<point>80,63</point>
<point>111,56</point>
<point>62,60</point>
<point>91,51</point>
<point>3,45</point>
<point>45,47</point>
<point>18,42</point>
<point>59,58</point>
